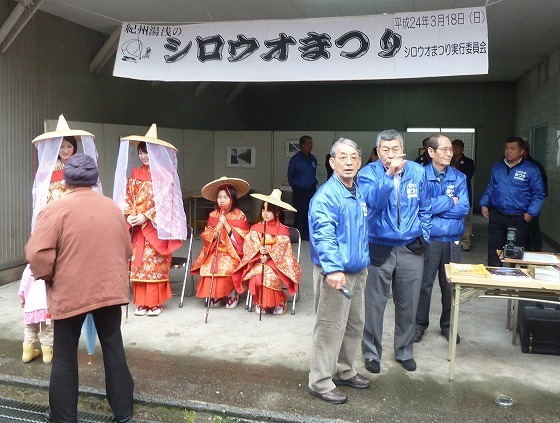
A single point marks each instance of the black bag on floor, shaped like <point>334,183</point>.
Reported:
<point>539,327</point>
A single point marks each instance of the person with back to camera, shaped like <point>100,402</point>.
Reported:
<point>85,267</point>
<point>515,194</point>
<point>399,213</point>
<point>338,241</point>
<point>54,150</point>
<point>302,178</point>
<point>152,202</point>
<point>268,248</point>
<point>223,239</point>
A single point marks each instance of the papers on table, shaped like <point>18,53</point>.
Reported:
<point>540,258</point>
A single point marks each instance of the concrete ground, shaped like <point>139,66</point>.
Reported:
<point>246,368</point>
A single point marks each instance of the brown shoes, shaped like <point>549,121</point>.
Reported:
<point>336,396</point>
<point>357,381</point>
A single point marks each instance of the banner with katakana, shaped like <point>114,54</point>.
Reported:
<point>394,46</point>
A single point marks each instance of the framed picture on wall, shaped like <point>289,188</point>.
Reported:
<point>292,147</point>
<point>240,156</point>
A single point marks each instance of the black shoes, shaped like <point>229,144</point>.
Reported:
<point>445,333</point>
<point>357,381</point>
<point>409,365</point>
<point>372,366</point>
<point>418,334</point>
<point>336,396</point>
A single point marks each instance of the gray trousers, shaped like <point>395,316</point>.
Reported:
<point>403,271</point>
<point>438,255</point>
<point>339,324</point>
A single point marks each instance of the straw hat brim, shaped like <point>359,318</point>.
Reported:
<point>210,190</point>
<point>141,138</point>
<point>275,201</point>
<point>63,133</point>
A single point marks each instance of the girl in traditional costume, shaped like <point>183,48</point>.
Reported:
<point>54,149</point>
<point>223,239</point>
<point>268,263</point>
<point>152,203</point>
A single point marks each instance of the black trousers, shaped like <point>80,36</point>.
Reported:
<point>534,237</point>
<point>63,389</point>
<point>438,255</point>
<point>497,234</point>
<point>301,198</point>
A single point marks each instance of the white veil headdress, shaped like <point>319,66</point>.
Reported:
<point>171,221</point>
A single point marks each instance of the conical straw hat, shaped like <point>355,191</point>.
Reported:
<point>62,130</point>
<point>150,137</point>
<point>274,198</point>
<point>210,190</point>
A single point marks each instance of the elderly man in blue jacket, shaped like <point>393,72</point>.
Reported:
<point>339,252</point>
<point>399,213</point>
<point>515,195</point>
<point>447,188</point>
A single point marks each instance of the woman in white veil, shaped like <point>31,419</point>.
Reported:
<point>151,199</point>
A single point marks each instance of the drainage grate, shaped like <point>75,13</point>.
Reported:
<point>12,411</point>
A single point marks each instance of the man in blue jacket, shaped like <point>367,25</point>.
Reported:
<point>302,178</point>
<point>399,213</point>
<point>339,252</point>
<point>515,195</point>
<point>447,188</point>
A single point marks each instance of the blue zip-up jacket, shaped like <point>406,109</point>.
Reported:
<point>515,190</point>
<point>393,220</point>
<point>447,218</point>
<point>338,228</point>
<point>302,171</point>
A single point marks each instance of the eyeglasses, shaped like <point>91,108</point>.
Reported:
<point>445,149</point>
<point>344,159</point>
<point>394,150</point>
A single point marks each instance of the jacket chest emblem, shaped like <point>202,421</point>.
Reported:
<point>520,175</point>
<point>411,190</point>
<point>450,190</point>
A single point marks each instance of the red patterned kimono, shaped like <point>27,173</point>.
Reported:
<point>56,188</point>
<point>229,254</point>
<point>151,257</point>
<point>280,269</point>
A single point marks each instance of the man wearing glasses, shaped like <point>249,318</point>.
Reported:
<point>447,188</point>
<point>399,213</point>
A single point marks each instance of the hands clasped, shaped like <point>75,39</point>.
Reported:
<point>138,219</point>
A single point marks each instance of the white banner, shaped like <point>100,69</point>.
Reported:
<point>402,45</point>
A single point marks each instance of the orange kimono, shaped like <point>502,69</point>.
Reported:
<point>151,257</point>
<point>228,257</point>
<point>280,269</point>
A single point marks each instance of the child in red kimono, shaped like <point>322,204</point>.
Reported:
<point>223,239</point>
<point>268,263</point>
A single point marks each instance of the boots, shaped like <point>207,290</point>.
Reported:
<point>29,352</point>
<point>47,353</point>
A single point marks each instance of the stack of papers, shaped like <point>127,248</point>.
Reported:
<point>545,273</point>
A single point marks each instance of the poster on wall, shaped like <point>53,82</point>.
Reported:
<point>391,46</point>
<point>240,156</point>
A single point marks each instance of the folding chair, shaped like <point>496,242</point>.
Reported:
<point>295,238</point>
<point>178,262</point>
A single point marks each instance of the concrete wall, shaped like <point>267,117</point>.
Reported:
<point>538,104</point>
